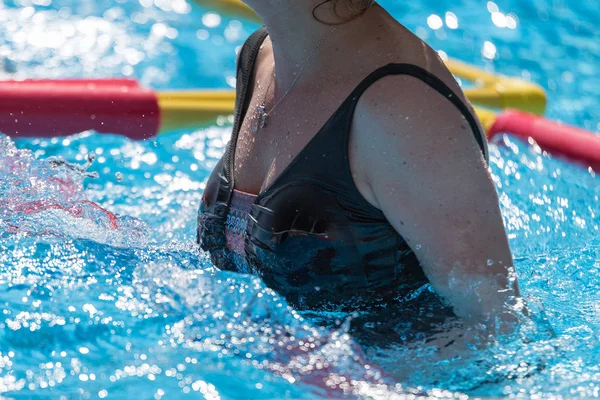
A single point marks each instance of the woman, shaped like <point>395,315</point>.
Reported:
<point>356,169</point>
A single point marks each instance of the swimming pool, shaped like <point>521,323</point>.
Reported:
<point>91,311</point>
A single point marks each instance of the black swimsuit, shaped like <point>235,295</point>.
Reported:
<point>311,235</point>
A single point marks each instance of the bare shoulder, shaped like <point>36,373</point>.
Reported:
<point>407,102</point>
<point>404,129</point>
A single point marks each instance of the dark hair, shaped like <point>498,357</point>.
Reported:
<point>356,7</point>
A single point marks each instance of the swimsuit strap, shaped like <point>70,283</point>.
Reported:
<point>245,68</point>
<point>429,79</point>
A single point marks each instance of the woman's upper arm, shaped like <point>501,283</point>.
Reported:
<point>427,174</point>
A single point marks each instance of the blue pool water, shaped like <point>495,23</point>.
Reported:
<point>95,305</point>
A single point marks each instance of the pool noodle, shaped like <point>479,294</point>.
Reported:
<point>40,108</point>
<point>575,143</point>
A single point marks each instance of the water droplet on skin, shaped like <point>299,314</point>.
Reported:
<point>490,263</point>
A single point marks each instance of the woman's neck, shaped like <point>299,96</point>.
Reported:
<point>295,33</point>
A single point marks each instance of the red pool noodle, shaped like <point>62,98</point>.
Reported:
<point>77,82</point>
<point>50,108</point>
<point>572,142</point>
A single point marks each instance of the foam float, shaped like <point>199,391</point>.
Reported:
<point>230,7</point>
<point>554,137</point>
<point>51,108</point>
<point>48,108</point>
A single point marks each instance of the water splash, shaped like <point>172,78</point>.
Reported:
<point>46,197</point>
<point>88,317</point>
<point>94,304</point>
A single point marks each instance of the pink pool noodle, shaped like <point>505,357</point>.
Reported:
<point>50,108</point>
<point>572,142</point>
